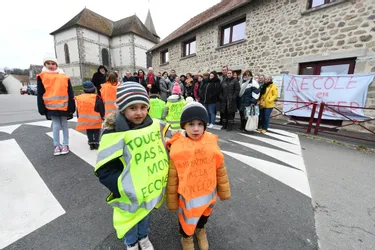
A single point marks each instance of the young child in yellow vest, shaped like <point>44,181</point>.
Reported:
<point>156,104</point>
<point>108,93</point>
<point>133,164</point>
<point>90,114</point>
<point>56,101</point>
<point>173,108</point>
<point>197,174</point>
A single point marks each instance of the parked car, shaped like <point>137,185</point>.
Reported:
<point>23,90</point>
<point>31,90</point>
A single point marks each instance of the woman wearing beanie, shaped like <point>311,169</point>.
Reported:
<point>173,108</point>
<point>195,197</point>
<point>56,101</point>
<point>90,114</point>
<point>108,93</point>
<point>125,167</point>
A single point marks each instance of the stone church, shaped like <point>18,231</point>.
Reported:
<point>89,40</point>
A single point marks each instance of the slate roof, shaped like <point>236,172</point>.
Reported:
<point>93,21</point>
<point>206,16</point>
<point>150,24</point>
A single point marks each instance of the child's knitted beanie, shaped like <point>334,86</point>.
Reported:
<point>176,89</point>
<point>130,93</point>
<point>194,111</point>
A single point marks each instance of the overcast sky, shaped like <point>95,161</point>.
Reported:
<point>25,24</point>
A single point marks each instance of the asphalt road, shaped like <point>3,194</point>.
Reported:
<point>266,210</point>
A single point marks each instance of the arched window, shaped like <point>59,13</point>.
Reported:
<point>66,51</point>
<point>105,57</point>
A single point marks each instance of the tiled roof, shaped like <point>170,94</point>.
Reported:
<point>93,21</point>
<point>206,16</point>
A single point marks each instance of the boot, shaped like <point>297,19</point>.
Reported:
<point>230,125</point>
<point>96,146</point>
<point>187,243</point>
<point>202,238</point>
<point>92,146</point>
<point>243,125</point>
<point>225,124</point>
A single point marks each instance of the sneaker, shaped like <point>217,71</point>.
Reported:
<point>263,131</point>
<point>202,238</point>
<point>145,244</point>
<point>133,247</point>
<point>57,150</point>
<point>65,149</point>
<point>210,126</point>
<point>187,243</point>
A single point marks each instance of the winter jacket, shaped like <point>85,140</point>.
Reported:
<point>130,79</point>
<point>189,88</point>
<point>210,91</point>
<point>197,86</point>
<point>250,96</point>
<point>270,96</point>
<point>229,94</point>
<point>223,187</point>
<point>48,113</point>
<point>99,78</point>
<point>164,84</point>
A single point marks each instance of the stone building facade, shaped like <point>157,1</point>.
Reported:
<point>89,40</point>
<point>280,36</point>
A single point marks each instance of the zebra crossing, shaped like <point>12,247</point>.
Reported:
<point>31,205</point>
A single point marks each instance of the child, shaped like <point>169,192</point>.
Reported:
<point>56,101</point>
<point>173,109</point>
<point>90,113</point>
<point>197,174</point>
<point>108,93</point>
<point>156,104</point>
<point>133,164</point>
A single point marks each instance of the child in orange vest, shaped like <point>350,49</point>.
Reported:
<point>108,93</point>
<point>197,174</point>
<point>56,101</point>
<point>90,114</point>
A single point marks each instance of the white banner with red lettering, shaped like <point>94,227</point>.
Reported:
<point>347,91</point>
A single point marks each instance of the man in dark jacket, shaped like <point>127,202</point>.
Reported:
<point>230,88</point>
<point>209,95</point>
<point>99,77</point>
<point>128,77</point>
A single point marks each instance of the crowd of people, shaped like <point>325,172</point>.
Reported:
<point>150,133</point>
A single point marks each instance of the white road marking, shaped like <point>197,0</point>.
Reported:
<point>9,129</point>
<point>289,158</point>
<point>284,138</point>
<point>283,145</point>
<point>283,132</point>
<point>46,123</point>
<point>78,145</point>
<point>26,202</point>
<point>289,176</point>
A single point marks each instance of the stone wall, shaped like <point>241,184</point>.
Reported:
<point>279,36</point>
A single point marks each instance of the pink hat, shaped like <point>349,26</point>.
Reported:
<point>176,89</point>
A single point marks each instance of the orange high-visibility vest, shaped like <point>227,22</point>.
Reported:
<point>196,163</point>
<point>108,93</point>
<point>56,90</point>
<point>87,117</point>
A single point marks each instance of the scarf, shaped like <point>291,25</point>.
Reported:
<point>244,85</point>
<point>150,79</point>
<point>58,70</point>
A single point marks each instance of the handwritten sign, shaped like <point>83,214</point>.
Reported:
<point>341,90</point>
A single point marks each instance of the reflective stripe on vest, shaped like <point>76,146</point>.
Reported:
<point>108,93</point>
<point>197,177</point>
<point>56,95</point>
<point>138,195</point>
<point>88,118</point>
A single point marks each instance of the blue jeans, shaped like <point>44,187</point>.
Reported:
<point>265,114</point>
<point>60,123</point>
<point>211,109</point>
<point>138,232</point>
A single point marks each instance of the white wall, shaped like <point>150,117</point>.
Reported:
<point>72,71</point>
<point>12,85</point>
<point>67,37</point>
<point>141,47</point>
<point>66,34</point>
<point>93,45</point>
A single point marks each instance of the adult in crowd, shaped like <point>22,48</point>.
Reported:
<point>172,76</point>
<point>165,86</point>
<point>197,86</point>
<point>128,77</point>
<point>135,75</point>
<point>189,86</point>
<point>268,95</point>
<point>235,75</point>
<point>261,80</point>
<point>99,77</point>
<point>249,94</point>
<point>210,92</point>
<point>224,71</point>
<point>228,100</point>
<point>151,79</point>
<point>141,78</point>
